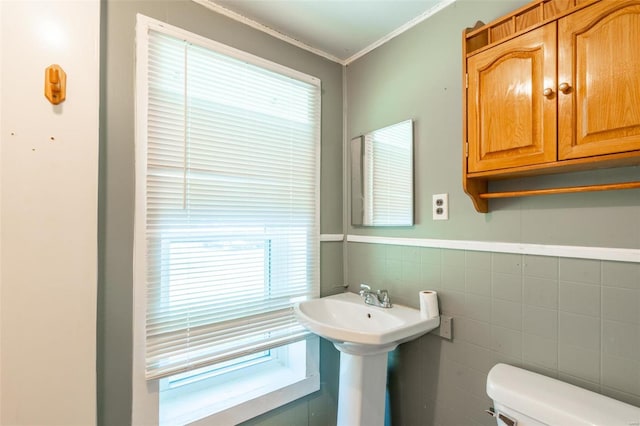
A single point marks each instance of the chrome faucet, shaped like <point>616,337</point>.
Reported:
<point>378,298</point>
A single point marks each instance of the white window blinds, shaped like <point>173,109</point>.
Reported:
<point>231,183</point>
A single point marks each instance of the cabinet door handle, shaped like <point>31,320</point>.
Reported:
<point>548,92</point>
<point>564,88</point>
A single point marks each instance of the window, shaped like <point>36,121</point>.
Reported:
<point>226,230</point>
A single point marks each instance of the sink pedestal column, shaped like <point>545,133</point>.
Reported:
<point>362,386</point>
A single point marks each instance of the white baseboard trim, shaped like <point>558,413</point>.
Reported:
<point>597,253</point>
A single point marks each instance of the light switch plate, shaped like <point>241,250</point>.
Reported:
<point>446,327</point>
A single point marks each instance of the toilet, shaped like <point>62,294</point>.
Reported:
<point>523,398</point>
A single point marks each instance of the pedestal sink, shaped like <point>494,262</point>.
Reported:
<point>364,335</point>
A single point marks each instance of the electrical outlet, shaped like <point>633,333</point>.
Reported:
<point>440,207</point>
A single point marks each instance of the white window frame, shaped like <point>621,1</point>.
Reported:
<point>146,393</point>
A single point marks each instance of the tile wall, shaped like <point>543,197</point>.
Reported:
<point>572,319</point>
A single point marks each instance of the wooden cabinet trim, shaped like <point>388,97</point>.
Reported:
<point>482,43</point>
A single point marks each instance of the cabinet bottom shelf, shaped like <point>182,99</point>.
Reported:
<point>476,184</point>
<point>562,190</point>
<point>480,197</point>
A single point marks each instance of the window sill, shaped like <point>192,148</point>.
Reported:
<point>259,389</point>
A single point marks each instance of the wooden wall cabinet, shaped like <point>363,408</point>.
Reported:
<point>553,87</point>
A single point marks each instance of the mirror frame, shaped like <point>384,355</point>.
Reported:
<point>357,158</point>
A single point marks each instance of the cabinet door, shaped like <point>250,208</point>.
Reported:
<point>510,120</point>
<point>599,61</point>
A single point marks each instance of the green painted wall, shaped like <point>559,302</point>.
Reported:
<point>576,320</point>
<point>418,75</point>
<point>117,189</point>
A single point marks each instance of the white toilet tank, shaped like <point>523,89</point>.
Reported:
<point>530,399</point>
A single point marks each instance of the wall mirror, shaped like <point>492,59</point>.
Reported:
<point>382,177</point>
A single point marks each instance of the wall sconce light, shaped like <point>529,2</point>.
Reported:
<point>55,84</point>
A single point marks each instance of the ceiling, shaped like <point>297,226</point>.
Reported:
<point>340,30</point>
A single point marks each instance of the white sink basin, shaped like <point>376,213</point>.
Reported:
<point>357,327</point>
<point>364,335</point>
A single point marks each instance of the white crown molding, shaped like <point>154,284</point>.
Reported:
<point>595,253</point>
<point>211,5</point>
<point>412,23</point>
